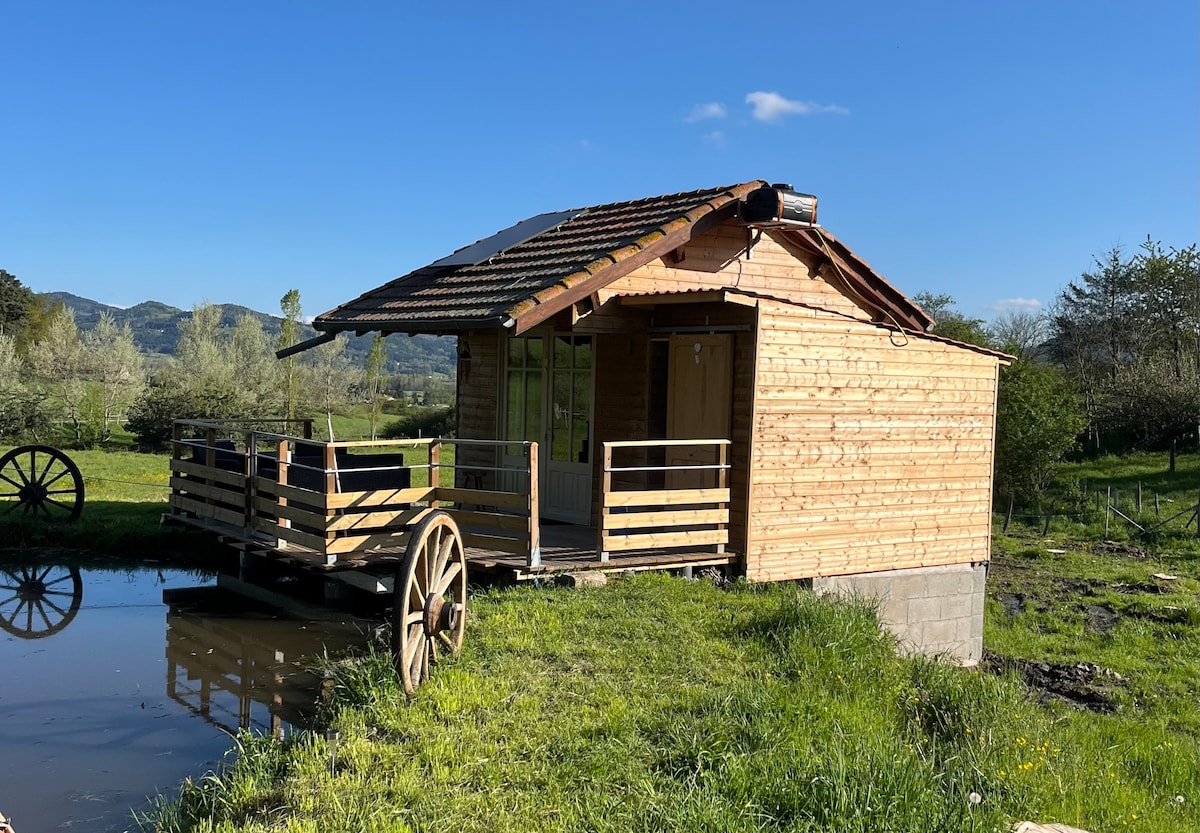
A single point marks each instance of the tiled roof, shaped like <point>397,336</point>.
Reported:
<point>541,276</point>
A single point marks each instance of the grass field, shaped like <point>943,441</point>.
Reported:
<point>656,703</point>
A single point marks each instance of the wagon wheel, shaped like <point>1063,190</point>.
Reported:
<point>430,599</point>
<point>41,482</point>
<point>39,601</point>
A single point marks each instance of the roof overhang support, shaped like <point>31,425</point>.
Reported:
<point>301,346</point>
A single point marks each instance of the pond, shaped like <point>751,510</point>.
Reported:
<point>117,684</point>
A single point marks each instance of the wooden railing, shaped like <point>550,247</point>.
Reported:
<point>333,500</point>
<point>674,496</point>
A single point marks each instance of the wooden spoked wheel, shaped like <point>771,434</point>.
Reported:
<point>429,612</point>
<point>36,602</point>
<point>40,482</point>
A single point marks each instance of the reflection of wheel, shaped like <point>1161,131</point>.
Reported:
<point>41,482</point>
<point>430,599</point>
<point>39,601</point>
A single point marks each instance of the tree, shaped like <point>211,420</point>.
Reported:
<point>949,322</point>
<point>1131,328</point>
<point>331,377</point>
<point>1021,334</point>
<point>115,366</point>
<point>1157,402</point>
<point>375,380</point>
<point>15,301</point>
<point>289,334</point>
<point>22,408</point>
<point>60,361</point>
<point>1038,417</point>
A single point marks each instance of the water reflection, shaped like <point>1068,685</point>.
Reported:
<point>37,601</point>
<point>121,692</point>
<point>240,674</point>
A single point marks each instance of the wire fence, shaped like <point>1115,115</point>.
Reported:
<point>1147,512</point>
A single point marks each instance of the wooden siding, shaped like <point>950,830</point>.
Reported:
<point>717,260</point>
<point>478,406</point>
<point>872,451</point>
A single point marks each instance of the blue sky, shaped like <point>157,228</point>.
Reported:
<point>232,151</point>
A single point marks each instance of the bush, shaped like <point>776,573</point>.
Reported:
<point>423,422</point>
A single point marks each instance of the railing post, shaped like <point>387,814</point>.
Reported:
<point>723,483</point>
<point>435,473</point>
<point>176,454</point>
<point>605,489</point>
<point>248,469</point>
<point>284,457</point>
<point>535,527</point>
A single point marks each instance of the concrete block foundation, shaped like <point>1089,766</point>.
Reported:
<point>931,610</point>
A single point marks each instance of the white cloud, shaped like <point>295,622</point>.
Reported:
<point>1014,305</point>
<point>712,110</point>
<point>772,106</point>
<point>716,138</point>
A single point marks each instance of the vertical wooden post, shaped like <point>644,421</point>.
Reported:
<point>722,483</point>
<point>284,457</point>
<point>435,472</point>
<point>535,526</point>
<point>332,483</point>
<point>1156,504</point>
<point>176,454</point>
<point>605,510</point>
<point>1049,515</point>
<point>1139,497</point>
<point>248,466</point>
<point>1008,515</point>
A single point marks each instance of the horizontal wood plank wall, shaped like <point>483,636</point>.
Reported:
<point>868,455</point>
<point>717,260</point>
<point>478,406</point>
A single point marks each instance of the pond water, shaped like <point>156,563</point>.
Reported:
<point>109,694</point>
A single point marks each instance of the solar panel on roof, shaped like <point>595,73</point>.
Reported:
<point>504,240</point>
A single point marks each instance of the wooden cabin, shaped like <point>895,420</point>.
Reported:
<point>697,379</point>
<point>851,447</point>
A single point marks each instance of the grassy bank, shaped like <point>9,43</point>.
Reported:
<point>659,704</point>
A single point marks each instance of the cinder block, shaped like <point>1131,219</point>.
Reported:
<point>924,610</point>
<point>956,607</point>
<point>940,632</point>
<point>894,612</point>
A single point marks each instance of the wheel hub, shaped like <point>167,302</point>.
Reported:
<point>438,616</point>
<point>32,493</point>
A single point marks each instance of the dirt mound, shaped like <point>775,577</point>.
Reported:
<point>1083,685</point>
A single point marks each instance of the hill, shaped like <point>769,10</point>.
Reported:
<point>155,327</point>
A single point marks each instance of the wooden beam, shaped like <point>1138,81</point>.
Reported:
<point>585,286</point>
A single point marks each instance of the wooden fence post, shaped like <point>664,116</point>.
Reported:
<point>1139,497</point>
<point>1008,516</point>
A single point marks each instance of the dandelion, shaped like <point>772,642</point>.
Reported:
<point>1178,800</point>
<point>974,798</point>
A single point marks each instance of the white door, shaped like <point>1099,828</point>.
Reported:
<point>548,400</point>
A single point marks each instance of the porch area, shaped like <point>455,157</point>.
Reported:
<point>269,487</point>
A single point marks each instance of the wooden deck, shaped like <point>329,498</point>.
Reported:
<point>352,506</point>
<point>565,549</point>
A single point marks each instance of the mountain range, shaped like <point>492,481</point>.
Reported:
<point>155,328</point>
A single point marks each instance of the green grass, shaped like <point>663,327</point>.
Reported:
<point>659,704</point>
<point>125,496</point>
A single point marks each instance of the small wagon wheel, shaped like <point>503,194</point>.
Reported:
<point>429,608</point>
<point>40,482</point>
<point>39,601</point>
